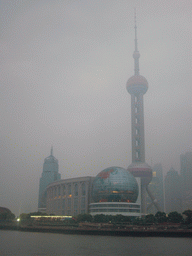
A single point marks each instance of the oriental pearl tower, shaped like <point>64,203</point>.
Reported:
<point>137,86</point>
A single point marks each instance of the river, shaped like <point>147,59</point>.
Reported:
<point>48,244</point>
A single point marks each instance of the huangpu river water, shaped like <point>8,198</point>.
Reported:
<point>47,244</point>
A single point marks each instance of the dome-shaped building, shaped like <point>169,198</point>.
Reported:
<point>115,184</point>
<point>115,191</point>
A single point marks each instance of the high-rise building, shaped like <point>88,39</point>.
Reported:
<point>50,173</point>
<point>173,192</point>
<point>186,177</point>
<point>157,188</point>
<point>137,86</point>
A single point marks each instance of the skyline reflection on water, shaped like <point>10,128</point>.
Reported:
<point>37,244</point>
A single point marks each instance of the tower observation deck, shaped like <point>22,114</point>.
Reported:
<point>137,86</point>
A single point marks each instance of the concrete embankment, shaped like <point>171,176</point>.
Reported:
<point>103,232</point>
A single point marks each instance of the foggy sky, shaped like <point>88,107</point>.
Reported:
<point>64,68</point>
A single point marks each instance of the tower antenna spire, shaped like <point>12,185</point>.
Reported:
<point>51,150</point>
<point>136,48</point>
<point>136,53</point>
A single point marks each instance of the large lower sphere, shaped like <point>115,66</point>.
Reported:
<point>115,184</point>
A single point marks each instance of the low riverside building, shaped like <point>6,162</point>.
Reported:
<point>69,196</point>
<point>113,191</point>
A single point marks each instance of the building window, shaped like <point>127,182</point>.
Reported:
<point>75,203</point>
<point>137,154</point>
<point>137,143</point>
<point>54,205</point>
<point>76,190</point>
<point>55,192</point>
<point>83,203</point>
<point>69,203</point>
<point>51,192</point>
<point>59,191</point>
<point>63,204</point>
<point>63,190</point>
<point>58,204</point>
<point>83,189</point>
<point>48,193</point>
<point>69,189</point>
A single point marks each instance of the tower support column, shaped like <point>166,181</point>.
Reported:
<point>137,86</point>
<point>143,199</point>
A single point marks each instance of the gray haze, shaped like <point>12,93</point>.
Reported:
<point>64,67</point>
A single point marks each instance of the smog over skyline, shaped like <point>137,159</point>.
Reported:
<point>64,68</point>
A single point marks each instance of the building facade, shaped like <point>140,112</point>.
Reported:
<point>118,194</point>
<point>50,174</point>
<point>116,191</point>
<point>69,197</point>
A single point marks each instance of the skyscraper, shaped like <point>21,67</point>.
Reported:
<point>173,192</point>
<point>50,173</point>
<point>186,177</point>
<point>157,188</point>
<point>137,86</point>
